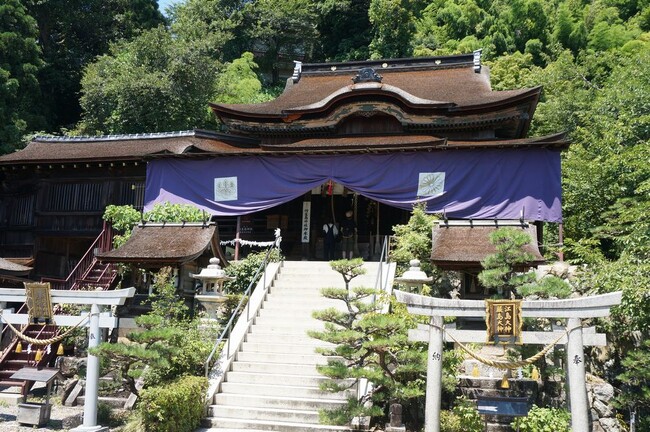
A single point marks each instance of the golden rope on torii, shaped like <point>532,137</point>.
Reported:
<point>49,341</point>
<point>501,364</point>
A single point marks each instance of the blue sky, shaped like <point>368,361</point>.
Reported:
<point>162,4</point>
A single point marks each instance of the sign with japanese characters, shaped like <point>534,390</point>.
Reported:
<point>39,302</point>
<point>504,323</point>
<point>306,219</point>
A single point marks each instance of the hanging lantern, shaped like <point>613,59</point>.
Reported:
<point>59,350</point>
<point>330,187</point>
<point>39,355</point>
<point>504,382</point>
<point>19,347</point>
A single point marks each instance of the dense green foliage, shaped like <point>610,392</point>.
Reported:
<point>124,218</point>
<point>544,420</point>
<point>245,270</point>
<point>71,34</point>
<point>463,417</point>
<point>174,407</point>
<point>636,382</point>
<point>20,63</point>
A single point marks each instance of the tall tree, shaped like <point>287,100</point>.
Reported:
<point>279,31</point>
<point>71,34</point>
<point>344,29</point>
<point>19,65</point>
<point>392,26</point>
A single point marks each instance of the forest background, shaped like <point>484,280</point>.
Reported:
<point>120,66</point>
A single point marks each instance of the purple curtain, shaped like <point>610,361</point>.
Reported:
<point>477,184</point>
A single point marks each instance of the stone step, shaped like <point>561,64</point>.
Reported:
<point>220,424</point>
<point>278,322</point>
<point>308,380</point>
<point>276,402</point>
<point>303,359</point>
<point>298,302</point>
<point>282,391</point>
<point>286,329</point>
<point>274,368</point>
<point>296,348</point>
<point>261,413</point>
<point>281,338</point>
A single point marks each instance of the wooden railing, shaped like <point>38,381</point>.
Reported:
<point>102,244</point>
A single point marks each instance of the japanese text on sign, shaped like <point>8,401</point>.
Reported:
<point>503,319</point>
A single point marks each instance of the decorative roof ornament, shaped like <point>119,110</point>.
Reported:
<point>297,70</point>
<point>477,60</point>
<point>367,74</point>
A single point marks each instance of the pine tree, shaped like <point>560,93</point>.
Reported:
<point>368,345</point>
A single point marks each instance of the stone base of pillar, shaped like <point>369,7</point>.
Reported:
<point>90,429</point>
<point>395,428</point>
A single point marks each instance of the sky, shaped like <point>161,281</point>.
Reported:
<point>162,4</point>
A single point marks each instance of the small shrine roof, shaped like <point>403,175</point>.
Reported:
<point>160,244</point>
<point>11,267</point>
<point>458,245</point>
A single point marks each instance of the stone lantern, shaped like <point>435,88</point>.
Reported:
<point>414,276</point>
<point>212,295</point>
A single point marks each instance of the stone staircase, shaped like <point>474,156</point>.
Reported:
<point>273,383</point>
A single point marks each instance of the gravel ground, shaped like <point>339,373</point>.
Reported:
<point>60,418</point>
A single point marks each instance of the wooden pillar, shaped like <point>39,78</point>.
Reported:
<point>237,237</point>
<point>434,376</point>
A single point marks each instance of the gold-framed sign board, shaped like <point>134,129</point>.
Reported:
<point>39,302</point>
<point>504,323</point>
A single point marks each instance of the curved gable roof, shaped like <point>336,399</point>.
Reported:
<point>457,87</point>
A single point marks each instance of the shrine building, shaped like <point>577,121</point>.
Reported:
<point>375,137</point>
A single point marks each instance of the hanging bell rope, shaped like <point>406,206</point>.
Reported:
<point>49,341</point>
<point>503,364</point>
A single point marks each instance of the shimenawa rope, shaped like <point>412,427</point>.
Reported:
<point>50,341</point>
<point>501,364</point>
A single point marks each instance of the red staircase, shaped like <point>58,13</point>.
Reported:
<point>11,361</point>
<point>88,274</point>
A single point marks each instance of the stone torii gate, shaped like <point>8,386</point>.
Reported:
<point>573,309</point>
<point>96,320</point>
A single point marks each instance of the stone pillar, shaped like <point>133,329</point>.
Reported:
<point>576,383</point>
<point>434,376</point>
<point>92,378</point>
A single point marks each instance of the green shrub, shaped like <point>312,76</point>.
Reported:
<point>244,270</point>
<point>544,420</point>
<point>175,407</point>
<point>463,417</point>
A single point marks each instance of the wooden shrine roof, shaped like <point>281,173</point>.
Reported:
<point>126,147</point>
<point>130,148</point>
<point>458,245</point>
<point>13,268</point>
<point>450,85</point>
<point>157,245</point>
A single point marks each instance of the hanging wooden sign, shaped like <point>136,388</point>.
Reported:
<point>504,323</point>
<point>39,302</point>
